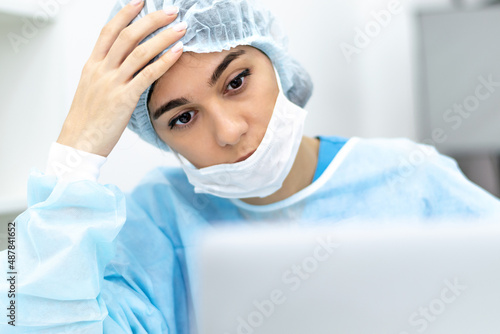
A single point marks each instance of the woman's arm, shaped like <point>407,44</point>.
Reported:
<point>109,88</point>
<point>72,273</point>
<point>80,268</point>
<point>63,242</point>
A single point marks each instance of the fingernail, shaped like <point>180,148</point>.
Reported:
<point>180,26</point>
<point>171,10</point>
<point>177,47</point>
<point>135,2</point>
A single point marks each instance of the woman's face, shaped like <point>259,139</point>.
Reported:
<point>214,108</point>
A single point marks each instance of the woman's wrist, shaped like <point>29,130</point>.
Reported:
<point>71,164</point>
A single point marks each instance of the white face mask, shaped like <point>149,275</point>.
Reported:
<point>264,171</point>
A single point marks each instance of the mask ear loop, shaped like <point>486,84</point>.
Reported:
<point>278,79</point>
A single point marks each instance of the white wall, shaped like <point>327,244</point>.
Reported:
<point>366,94</point>
<point>370,96</point>
<point>30,105</point>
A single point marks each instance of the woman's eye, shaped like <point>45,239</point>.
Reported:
<point>182,119</point>
<point>236,83</point>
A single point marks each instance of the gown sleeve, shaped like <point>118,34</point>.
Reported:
<point>88,261</point>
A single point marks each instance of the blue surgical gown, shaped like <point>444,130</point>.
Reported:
<point>91,260</point>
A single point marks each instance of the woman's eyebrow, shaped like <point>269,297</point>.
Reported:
<point>168,106</point>
<point>213,80</point>
<point>223,65</point>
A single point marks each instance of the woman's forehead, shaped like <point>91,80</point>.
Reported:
<point>190,76</point>
<point>195,66</point>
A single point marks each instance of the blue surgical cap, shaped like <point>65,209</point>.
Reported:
<point>216,25</point>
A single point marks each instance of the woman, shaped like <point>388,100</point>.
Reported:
<point>93,260</point>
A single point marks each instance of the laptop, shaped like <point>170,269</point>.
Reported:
<point>357,278</point>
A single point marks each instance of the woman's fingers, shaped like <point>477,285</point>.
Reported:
<point>153,71</point>
<point>107,92</point>
<point>143,53</point>
<point>112,29</point>
<point>129,38</point>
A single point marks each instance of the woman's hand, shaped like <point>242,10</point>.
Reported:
<point>108,91</point>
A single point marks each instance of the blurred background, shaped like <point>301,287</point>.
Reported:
<point>427,70</point>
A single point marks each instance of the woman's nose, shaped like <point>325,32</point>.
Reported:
<point>228,125</point>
